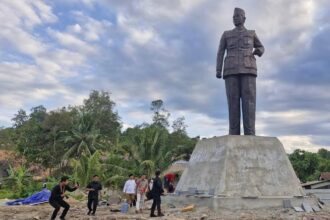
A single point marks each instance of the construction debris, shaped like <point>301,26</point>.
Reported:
<point>316,208</point>
<point>298,209</point>
<point>307,207</point>
<point>188,208</point>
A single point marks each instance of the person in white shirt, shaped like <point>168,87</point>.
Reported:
<point>130,189</point>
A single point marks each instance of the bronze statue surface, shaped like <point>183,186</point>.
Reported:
<point>239,72</point>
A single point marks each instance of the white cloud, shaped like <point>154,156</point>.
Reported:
<point>294,117</point>
<point>72,42</point>
<point>91,29</point>
<point>76,28</point>
<point>27,13</point>
<point>303,142</point>
<point>22,41</point>
<point>137,35</point>
<point>158,10</point>
<point>37,78</point>
<point>25,82</point>
<point>18,18</point>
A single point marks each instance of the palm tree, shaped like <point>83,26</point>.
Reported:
<point>116,169</point>
<point>86,167</point>
<point>147,148</point>
<point>84,138</point>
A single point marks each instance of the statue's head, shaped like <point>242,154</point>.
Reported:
<point>239,17</point>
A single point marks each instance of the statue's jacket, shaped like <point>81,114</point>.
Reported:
<point>238,45</point>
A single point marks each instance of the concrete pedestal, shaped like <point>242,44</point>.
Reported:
<point>239,169</point>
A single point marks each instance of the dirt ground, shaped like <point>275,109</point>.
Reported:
<point>78,211</point>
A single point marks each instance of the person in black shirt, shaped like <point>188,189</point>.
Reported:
<point>57,195</point>
<point>156,191</point>
<point>93,195</point>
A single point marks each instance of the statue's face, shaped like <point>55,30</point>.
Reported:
<point>238,19</point>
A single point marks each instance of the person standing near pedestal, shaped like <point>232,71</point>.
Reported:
<point>240,72</point>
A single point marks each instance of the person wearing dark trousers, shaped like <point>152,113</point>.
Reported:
<point>156,191</point>
<point>57,196</point>
<point>93,195</point>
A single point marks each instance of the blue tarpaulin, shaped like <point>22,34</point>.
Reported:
<point>36,198</point>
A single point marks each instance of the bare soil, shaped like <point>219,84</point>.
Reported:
<point>78,210</point>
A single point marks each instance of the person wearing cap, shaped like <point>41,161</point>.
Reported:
<point>239,72</point>
<point>57,196</point>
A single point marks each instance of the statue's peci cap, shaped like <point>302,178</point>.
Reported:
<point>239,11</point>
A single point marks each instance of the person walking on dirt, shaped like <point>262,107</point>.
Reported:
<point>57,196</point>
<point>93,189</point>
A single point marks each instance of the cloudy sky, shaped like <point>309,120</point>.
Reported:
<point>55,52</point>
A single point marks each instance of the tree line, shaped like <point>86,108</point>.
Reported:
<point>308,166</point>
<point>80,141</point>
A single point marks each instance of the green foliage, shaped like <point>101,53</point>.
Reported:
<point>308,166</point>
<point>56,126</point>
<point>147,148</point>
<point>116,181</point>
<point>101,108</point>
<point>161,115</point>
<point>85,168</point>
<point>18,181</point>
<point>85,140</point>
<point>51,182</point>
<point>39,138</point>
<point>38,113</point>
<point>6,138</point>
<point>183,145</point>
<point>116,169</point>
<point>7,194</point>
<point>179,125</point>
<point>20,118</point>
<point>325,154</point>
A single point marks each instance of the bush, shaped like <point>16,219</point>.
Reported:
<point>7,194</point>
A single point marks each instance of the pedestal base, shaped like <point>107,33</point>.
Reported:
<point>238,171</point>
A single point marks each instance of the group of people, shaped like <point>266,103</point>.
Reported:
<point>137,191</point>
<point>58,195</point>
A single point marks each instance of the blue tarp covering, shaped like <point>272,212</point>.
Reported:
<point>37,198</point>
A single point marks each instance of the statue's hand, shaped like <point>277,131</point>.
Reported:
<point>218,75</point>
<point>256,52</point>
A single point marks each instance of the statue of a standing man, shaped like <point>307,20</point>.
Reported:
<point>240,72</point>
